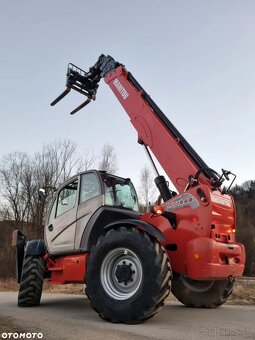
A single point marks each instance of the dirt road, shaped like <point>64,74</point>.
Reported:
<point>62,316</point>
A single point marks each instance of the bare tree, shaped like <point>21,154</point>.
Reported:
<point>108,159</point>
<point>12,169</point>
<point>147,190</point>
<point>86,161</point>
<point>248,185</point>
<point>21,176</point>
<point>56,162</point>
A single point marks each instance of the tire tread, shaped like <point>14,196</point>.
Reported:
<point>31,283</point>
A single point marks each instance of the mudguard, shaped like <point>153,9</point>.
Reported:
<point>149,228</point>
<point>19,241</point>
<point>35,248</point>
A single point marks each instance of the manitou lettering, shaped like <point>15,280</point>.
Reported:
<point>124,94</point>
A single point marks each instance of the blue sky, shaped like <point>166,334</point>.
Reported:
<point>195,58</point>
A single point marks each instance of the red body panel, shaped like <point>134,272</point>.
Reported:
<point>66,269</point>
<point>210,259</point>
<point>204,236</point>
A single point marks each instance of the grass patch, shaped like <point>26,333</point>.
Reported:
<point>11,285</point>
<point>243,292</point>
<point>70,288</point>
<point>8,285</point>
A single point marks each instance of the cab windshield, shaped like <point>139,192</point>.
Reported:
<point>119,192</point>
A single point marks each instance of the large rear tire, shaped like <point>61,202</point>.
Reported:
<point>31,281</point>
<point>128,276</point>
<point>201,294</point>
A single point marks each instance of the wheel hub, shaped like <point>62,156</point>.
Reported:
<point>124,273</point>
<point>121,273</point>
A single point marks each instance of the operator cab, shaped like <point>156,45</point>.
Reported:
<point>78,200</point>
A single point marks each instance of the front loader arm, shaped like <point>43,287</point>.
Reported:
<point>179,160</point>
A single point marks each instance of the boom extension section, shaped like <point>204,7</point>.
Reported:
<point>177,157</point>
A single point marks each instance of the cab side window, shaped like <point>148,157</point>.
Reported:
<point>67,198</point>
<point>90,187</point>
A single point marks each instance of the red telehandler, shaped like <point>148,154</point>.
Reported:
<point>129,261</point>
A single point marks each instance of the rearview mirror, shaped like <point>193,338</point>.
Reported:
<point>41,194</point>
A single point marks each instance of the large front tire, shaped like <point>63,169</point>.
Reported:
<point>31,281</point>
<point>128,276</point>
<point>201,294</point>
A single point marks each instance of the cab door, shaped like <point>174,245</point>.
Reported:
<point>61,225</point>
<point>90,199</point>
